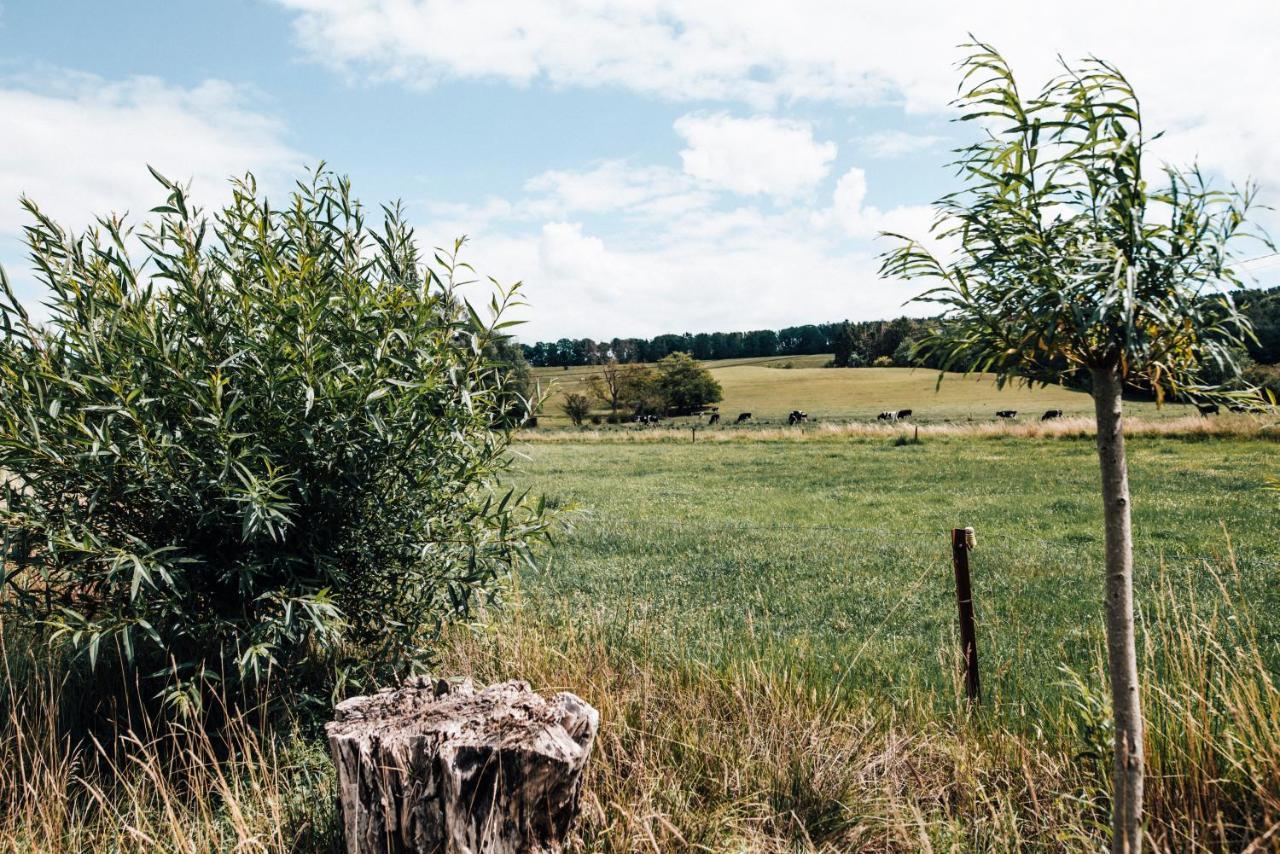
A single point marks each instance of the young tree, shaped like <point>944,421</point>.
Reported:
<point>1068,261</point>
<point>577,407</point>
<point>686,386</point>
<point>608,385</point>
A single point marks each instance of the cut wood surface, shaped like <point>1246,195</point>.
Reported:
<point>438,766</point>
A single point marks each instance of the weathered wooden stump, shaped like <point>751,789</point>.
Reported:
<point>435,766</point>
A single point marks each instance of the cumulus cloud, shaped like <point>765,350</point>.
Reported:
<point>581,284</point>
<point>79,145</point>
<point>754,156</point>
<point>765,54</point>
<point>706,266</point>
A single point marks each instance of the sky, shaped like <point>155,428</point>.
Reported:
<point>642,166</point>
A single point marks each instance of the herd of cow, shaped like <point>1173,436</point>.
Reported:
<point>798,416</point>
<point>893,416</point>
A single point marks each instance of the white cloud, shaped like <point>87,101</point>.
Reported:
<point>765,53</point>
<point>759,155</point>
<point>860,220</point>
<point>580,284</point>
<point>896,143</point>
<point>79,145</point>
<point>703,268</point>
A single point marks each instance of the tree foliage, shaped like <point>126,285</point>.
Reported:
<point>265,454</point>
<point>1069,260</point>
<point>871,338</point>
<point>684,385</point>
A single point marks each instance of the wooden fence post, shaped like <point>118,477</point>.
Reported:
<point>962,541</point>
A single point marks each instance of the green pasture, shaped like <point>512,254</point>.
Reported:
<point>831,556</point>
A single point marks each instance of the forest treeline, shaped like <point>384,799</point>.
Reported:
<point>869,339</point>
<point>854,343</point>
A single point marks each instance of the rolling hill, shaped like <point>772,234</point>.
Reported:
<point>770,388</point>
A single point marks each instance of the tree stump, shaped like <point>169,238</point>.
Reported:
<point>440,767</point>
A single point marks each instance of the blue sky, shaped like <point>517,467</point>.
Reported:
<point>644,166</point>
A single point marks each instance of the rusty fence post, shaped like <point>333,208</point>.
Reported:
<point>962,542</point>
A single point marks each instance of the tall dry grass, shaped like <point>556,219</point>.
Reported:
<point>692,758</point>
<point>1238,426</point>
<point>747,759</point>
<point>68,784</point>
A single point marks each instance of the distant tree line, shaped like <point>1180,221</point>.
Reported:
<point>867,340</point>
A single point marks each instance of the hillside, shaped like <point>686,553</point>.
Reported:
<point>769,390</point>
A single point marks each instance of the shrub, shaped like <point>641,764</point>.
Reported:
<point>577,407</point>
<point>882,362</point>
<point>267,451</point>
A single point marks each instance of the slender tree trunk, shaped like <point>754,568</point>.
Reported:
<point>1122,657</point>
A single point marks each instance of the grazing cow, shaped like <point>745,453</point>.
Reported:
<point>743,416</point>
<point>797,416</point>
<point>887,416</point>
<point>1007,413</point>
<point>1051,414</point>
<point>1208,408</point>
<point>714,419</point>
<point>904,413</point>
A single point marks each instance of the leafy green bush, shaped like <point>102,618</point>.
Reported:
<point>265,457</point>
<point>577,407</point>
<point>684,385</point>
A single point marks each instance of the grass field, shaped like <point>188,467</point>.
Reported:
<point>831,557</point>
<point>766,626</point>
<point>769,390</point>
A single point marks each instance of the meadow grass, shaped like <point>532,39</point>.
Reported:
<point>830,557</point>
<point>767,627</point>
